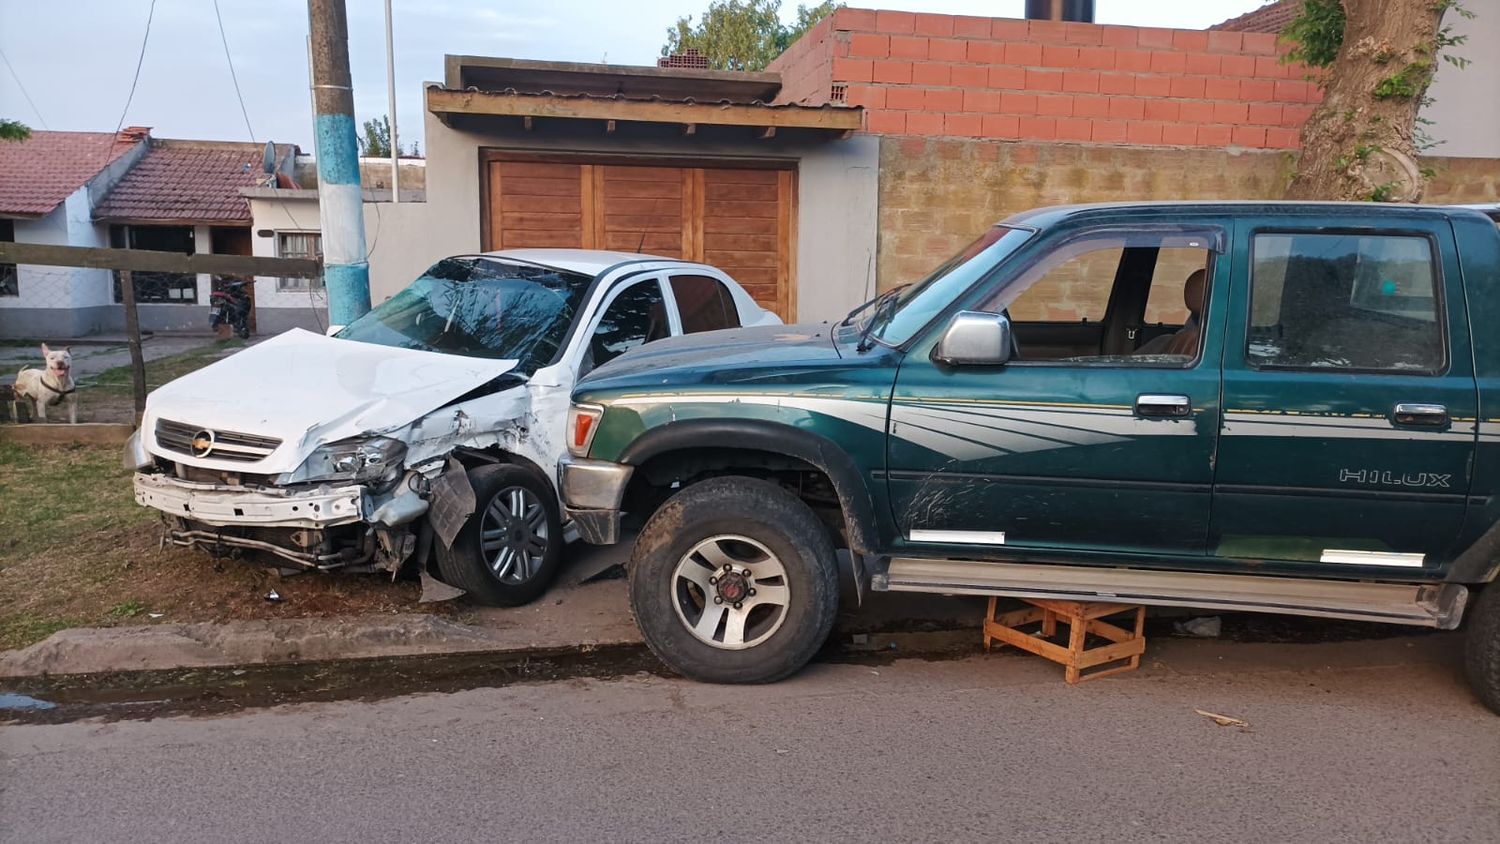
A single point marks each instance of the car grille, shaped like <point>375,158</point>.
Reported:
<point>228,445</point>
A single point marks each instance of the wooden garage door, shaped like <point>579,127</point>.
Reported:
<point>740,220</point>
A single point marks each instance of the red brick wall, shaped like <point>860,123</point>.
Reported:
<point>1002,78</point>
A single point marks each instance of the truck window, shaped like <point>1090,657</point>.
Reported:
<point>1090,300</point>
<point>704,304</point>
<point>1345,301</point>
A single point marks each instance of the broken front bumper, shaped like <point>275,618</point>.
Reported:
<point>592,491</point>
<point>228,506</point>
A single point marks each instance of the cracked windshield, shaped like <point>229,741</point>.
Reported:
<point>478,307</point>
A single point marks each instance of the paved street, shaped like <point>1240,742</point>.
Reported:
<point>1349,741</point>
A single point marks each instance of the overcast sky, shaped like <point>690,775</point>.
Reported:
<point>76,57</point>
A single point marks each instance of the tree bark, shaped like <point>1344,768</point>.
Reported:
<point>1360,144</point>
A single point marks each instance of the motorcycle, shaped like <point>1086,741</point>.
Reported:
<point>231,307</point>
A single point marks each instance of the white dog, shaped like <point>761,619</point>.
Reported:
<point>51,386</point>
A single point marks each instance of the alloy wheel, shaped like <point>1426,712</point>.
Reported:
<point>513,534</point>
<point>731,592</point>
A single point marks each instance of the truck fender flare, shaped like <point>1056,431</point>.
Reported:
<point>774,438</point>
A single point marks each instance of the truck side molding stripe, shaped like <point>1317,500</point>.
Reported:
<point>1372,558</point>
<point>959,537</point>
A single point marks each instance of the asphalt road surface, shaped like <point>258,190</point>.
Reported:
<point>1348,741</point>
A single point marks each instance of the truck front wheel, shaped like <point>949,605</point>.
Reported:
<point>1482,647</point>
<point>734,580</point>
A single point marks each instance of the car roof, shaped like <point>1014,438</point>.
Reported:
<point>585,261</point>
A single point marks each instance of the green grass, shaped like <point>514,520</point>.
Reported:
<point>49,495</point>
<point>116,382</point>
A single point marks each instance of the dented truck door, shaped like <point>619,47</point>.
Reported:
<point>1349,399</point>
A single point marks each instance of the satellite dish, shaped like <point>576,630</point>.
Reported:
<point>268,158</point>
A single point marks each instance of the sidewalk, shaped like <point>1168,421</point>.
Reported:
<point>572,616</point>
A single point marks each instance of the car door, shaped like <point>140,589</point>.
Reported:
<point>1074,445</point>
<point>637,311</point>
<point>1349,398</point>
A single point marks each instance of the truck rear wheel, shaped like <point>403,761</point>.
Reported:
<point>734,580</point>
<point>1482,647</point>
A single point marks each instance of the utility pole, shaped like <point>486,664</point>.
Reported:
<point>346,273</point>
<point>390,93</point>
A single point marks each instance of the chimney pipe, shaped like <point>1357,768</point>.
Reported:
<point>1081,11</point>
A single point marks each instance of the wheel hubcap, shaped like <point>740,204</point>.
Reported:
<point>513,535</point>
<point>731,592</point>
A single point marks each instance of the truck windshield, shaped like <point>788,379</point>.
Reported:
<point>480,307</point>
<point>916,305</point>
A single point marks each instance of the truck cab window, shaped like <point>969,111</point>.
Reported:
<point>1344,301</point>
<point>1126,298</point>
<point>704,304</point>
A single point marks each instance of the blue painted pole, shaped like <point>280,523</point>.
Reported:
<point>346,272</point>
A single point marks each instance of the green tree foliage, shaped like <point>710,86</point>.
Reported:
<point>742,34</point>
<point>13,130</point>
<point>1316,33</point>
<point>375,139</point>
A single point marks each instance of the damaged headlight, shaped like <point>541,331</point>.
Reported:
<point>366,459</point>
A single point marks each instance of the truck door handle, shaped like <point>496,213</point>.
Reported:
<point>1156,406</point>
<point>1424,415</point>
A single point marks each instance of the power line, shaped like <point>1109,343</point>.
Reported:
<point>15,76</point>
<point>140,60</point>
<point>232,76</point>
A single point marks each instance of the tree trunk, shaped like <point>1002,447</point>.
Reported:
<point>1359,144</point>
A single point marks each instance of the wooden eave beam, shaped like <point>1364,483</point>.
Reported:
<point>445,102</point>
<point>145,260</point>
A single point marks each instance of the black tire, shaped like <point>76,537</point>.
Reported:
<point>1482,647</point>
<point>468,566</point>
<point>768,516</point>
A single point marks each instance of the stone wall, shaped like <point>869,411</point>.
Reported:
<point>937,194</point>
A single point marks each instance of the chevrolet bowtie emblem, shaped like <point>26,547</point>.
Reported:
<point>203,443</point>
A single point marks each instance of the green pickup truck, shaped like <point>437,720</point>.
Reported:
<point>1287,408</point>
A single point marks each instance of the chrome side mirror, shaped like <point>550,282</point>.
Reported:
<point>974,338</point>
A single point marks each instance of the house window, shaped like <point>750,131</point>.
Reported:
<point>299,245</point>
<point>157,287</point>
<point>10,283</point>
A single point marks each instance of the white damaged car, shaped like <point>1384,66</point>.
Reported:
<point>428,430</point>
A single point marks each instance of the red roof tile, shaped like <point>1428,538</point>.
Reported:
<point>187,181</point>
<point>37,174</point>
<point>1269,18</point>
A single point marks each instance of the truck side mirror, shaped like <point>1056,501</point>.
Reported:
<point>974,338</point>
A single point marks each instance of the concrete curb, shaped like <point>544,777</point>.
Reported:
<point>92,650</point>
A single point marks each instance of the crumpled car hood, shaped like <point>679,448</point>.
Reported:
<point>306,390</point>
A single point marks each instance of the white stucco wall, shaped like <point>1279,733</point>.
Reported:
<point>69,224</point>
<point>1465,108</point>
<point>837,213</point>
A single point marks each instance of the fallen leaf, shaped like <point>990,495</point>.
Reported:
<point>1223,720</point>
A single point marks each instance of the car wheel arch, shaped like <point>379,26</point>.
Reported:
<point>680,442</point>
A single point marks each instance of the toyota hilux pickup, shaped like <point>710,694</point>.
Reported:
<point>1272,407</point>
<point>427,430</point>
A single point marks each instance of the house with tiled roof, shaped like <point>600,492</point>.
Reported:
<point>1272,17</point>
<point>49,185</point>
<point>130,191</point>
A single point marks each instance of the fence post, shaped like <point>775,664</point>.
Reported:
<point>133,337</point>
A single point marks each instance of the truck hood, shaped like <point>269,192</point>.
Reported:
<point>306,390</point>
<point>736,356</point>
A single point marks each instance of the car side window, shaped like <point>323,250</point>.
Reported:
<point>1365,302</point>
<point>704,304</point>
<point>638,315</point>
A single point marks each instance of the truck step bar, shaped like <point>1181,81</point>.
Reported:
<point>1438,605</point>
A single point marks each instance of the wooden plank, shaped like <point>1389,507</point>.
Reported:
<point>533,186</point>
<point>656,189</point>
<point>442,101</point>
<point>522,239</point>
<point>638,173</point>
<point>740,165</point>
<point>721,190</point>
<point>540,169</point>
<point>786,247</point>
<point>741,176</point>
<point>596,210</point>
<point>590,200</point>
<point>715,225</point>
<point>145,260</point>
<point>512,221</point>
<point>765,210</point>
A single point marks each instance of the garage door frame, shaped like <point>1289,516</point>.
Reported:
<point>693,239</point>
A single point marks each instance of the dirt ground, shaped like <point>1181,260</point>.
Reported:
<point>76,550</point>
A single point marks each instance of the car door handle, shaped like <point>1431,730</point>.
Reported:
<point>1416,413</point>
<point>1157,406</point>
